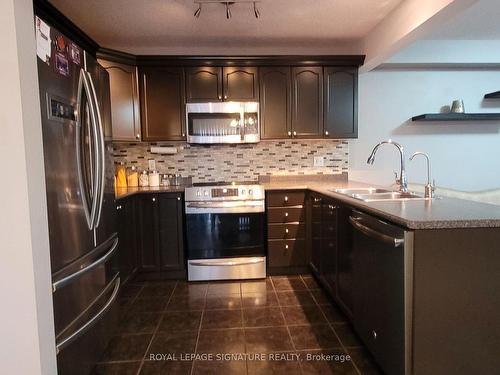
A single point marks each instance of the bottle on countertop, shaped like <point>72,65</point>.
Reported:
<point>132,177</point>
<point>144,179</point>
<point>154,179</point>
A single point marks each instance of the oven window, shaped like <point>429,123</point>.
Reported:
<point>224,235</point>
<point>214,124</point>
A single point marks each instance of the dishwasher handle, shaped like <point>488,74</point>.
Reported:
<point>396,242</point>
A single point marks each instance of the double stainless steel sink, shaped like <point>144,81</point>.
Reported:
<point>379,195</point>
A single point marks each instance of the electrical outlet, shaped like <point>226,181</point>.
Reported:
<point>319,161</point>
<point>152,164</point>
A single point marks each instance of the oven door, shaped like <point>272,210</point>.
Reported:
<point>224,235</point>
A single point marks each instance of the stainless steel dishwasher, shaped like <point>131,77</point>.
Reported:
<point>382,290</point>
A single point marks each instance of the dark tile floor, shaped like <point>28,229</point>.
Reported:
<point>283,324</point>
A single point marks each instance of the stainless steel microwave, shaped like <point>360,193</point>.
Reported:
<point>223,122</point>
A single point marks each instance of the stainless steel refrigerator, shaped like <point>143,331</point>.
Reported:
<point>76,122</point>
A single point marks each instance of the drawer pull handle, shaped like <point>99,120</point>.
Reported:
<point>286,198</point>
<point>286,214</point>
<point>374,334</point>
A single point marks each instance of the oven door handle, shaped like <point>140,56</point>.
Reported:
<point>226,262</point>
<point>228,204</point>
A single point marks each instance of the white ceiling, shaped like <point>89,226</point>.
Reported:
<point>479,22</point>
<point>285,26</point>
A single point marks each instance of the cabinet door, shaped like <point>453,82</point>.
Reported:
<point>147,225</point>
<point>124,101</point>
<point>307,106</point>
<point>241,83</point>
<point>329,245</point>
<point>341,86</point>
<point>171,232</point>
<point>203,84</point>
<point>162,104</point>
<point>127,236</point>
<point>316,234</point>
<point>275,102</point>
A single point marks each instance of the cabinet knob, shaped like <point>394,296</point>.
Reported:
<point>294,133</point>
<point>374,334</point>
<point>183,134</point>
<point>286,198</point>
<point>225,97</point>
<point>178,198</point>
<point>138,136</point>
<point>286,230</point>
<point>326,132</point>
<point>286,214</point>
<point>286,247</point>
<point>118,207</point>
<point>154,199</point>
<point>289,134</point>
<point>220,97</point>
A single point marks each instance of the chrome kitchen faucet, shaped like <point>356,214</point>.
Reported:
<point>402,181</point>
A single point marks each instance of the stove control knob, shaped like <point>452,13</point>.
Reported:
<point>250,192</point>
<point>198,193</point>
<point>206,193</point>
<point>243,191</point>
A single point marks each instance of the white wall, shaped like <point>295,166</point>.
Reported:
<point>27,344</point>
<point>465,156</point>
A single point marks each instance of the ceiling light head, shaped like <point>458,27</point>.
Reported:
<point>255,10</point>
<point>198,11</point>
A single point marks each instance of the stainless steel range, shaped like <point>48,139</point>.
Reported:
<point>225,231</point>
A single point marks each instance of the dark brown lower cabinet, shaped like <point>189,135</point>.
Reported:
<point>127,234</point>
<point>287,232</point>
<point>161,239</point>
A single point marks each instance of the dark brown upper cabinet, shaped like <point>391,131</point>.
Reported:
<point>125,116</point>
<point>204,84</point>
<point>241,83</point>
<point>162,103</point>
<point>341,105</point>
<point>307,102</point>
<point>275,102</point>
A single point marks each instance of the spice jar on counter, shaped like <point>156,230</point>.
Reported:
<point>132,177</point>
<point>165,180</point>
<point>154,179</point>
<point>144,179</point>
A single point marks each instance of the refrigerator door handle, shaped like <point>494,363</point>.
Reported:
<point>68,279</point>
<point>100,154</point>
<point>85,327</point>
<point>84,88</point>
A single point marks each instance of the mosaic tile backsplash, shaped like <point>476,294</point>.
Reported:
<point>207,163</point>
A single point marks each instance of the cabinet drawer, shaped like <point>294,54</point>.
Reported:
<point>286,231</point>
<point>285,215</point>
<point>285,253</point>
<point>285,199</point>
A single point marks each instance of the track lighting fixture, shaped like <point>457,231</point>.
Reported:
<point>255,10</point>
<point>198,11</point>
<point>227,5</point>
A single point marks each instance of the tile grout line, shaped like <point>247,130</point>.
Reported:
<point>156,329</point>
<point>286,325</point>
<point>199,328</point>
<point>344,348</point>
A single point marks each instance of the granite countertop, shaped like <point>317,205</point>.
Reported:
<point>121,193</point>
<point>440,213</point>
